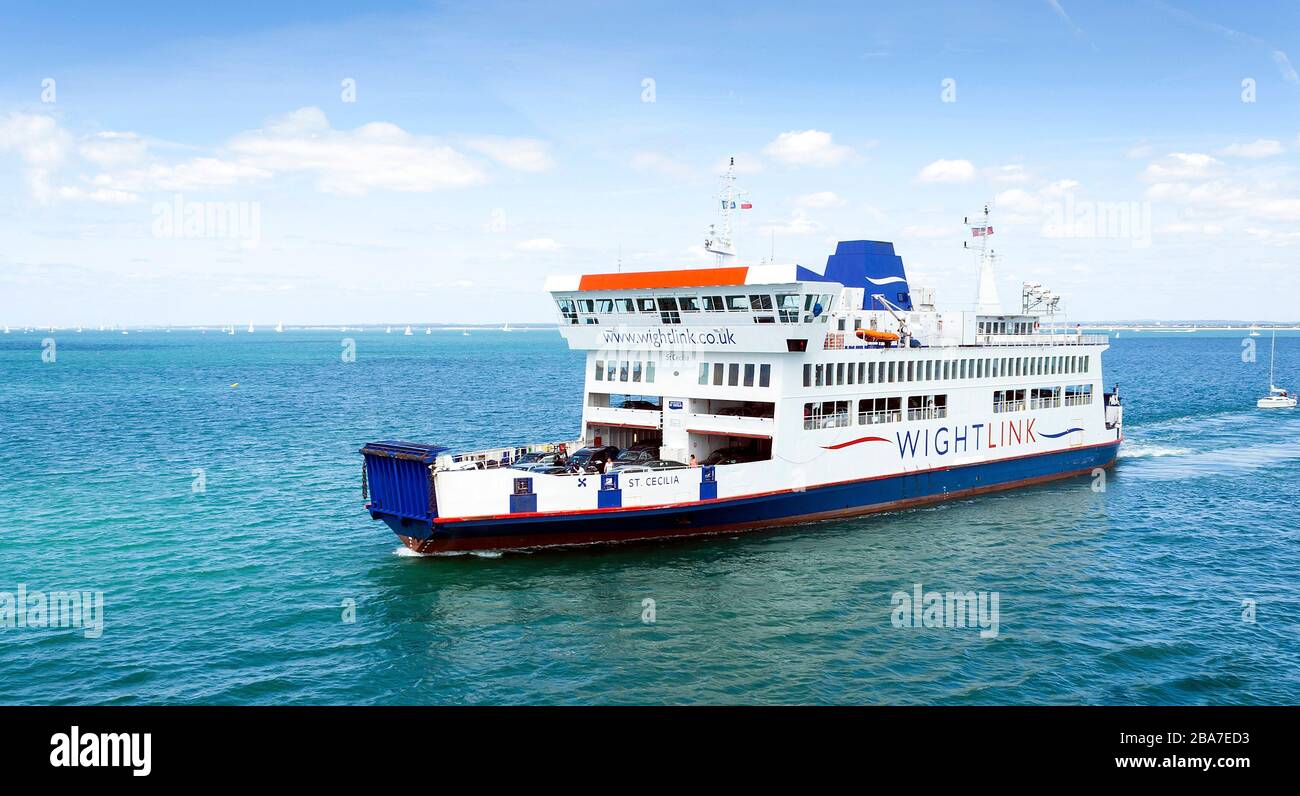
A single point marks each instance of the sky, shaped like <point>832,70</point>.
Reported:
<point>324,163</point>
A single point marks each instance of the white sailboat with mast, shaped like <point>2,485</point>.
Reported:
<point>1277,397</point>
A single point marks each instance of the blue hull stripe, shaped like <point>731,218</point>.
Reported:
<point>770,509</point>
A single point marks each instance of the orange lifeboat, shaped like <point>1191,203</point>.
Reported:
<point>873,336</point>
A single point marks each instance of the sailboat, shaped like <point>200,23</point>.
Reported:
<point>279,326</point>
<point>407,332</point>
<point>6,330</point>
<point>506,327</point>
<point>1254,330</point>
<point>1277,397</point>
<point>427,330</point>
<point>389,330</point>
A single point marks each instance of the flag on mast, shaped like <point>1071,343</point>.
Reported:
<point>978,232</point>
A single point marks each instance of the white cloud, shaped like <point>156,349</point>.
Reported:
<point>113,149</point>
<point>537,245</point>
<point>378,155</point>
<point>799,224</point>
<point>1019,201</point>
<point>807,148</point>
<point>948,171</point>
<point>38,140</point>
<point>1182,165</point>
<point>819,199</point>
<point>191,175</point>
<point>1260,148</point>
<point>1011,173</point>
<point>1059,188</point>
<point>102,195</point>
<point>521,154</point>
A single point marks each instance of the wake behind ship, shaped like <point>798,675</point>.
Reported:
<point>736,397</point>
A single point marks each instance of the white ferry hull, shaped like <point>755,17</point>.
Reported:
<point>713,515</point>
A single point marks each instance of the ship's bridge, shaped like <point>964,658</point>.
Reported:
<point>761,309</point>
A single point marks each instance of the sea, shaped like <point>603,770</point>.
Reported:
<point>204,490</point>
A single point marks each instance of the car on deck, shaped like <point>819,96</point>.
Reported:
<point>592,458</point>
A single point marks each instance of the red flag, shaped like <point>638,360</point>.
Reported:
<point>977,232</point>
<point>746,206</point>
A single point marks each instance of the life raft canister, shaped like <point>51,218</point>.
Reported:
<point>875,336</point>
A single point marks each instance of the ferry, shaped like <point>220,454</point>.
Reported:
<point>766,395</point>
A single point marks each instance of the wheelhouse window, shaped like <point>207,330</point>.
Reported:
<point>787,307</point>
<point>689,303</point>
<point>625,305</point>
<point>737,304</point>
<point>714,304</point>
<point>646,305</point>
<point>568,310</point>
<point>668,312</point>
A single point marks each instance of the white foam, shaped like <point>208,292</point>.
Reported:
<point>405,552</point>
<point>1138,450</point>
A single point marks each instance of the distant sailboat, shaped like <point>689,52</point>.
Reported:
<point>250,327</point>
<point>464,334</point>
<point>407,332</point>
<point>1254,330</point>
<point>389,330</point>
<point>1277,397</point>
<point>279,326</point>
<point>506,327</point>
<point>427,330</point>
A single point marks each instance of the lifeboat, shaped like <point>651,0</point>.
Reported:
<point>873,336</point>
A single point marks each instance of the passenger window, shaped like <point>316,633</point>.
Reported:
<point>764,375</point>
<point>737,304</point>
<point>749,375</point>
<point>733,374</point>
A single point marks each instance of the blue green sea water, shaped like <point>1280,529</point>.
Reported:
<point>237,593</point>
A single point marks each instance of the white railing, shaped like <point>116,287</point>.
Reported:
<point>1044,403</point>
<point>1078,400</point>
<point>1008,406</point>
<point>489,458</point>
<point>927,413</point>
<point>1041,339</point>
<point>874,418</point>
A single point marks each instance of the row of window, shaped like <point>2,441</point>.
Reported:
<point>1042,398</point>
<point>873,411</point>
<point>719,374</point>
<point>786,307</point>
<point>840,373</point>
<point>625,370</point>
<point>1005,327</point>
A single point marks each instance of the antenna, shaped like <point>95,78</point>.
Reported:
<point>720,243</point>
<point>986,296</point>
